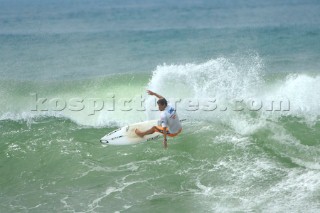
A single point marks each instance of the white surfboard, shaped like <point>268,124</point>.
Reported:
<point>127,136</point>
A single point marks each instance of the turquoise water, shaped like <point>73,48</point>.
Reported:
<point>245,75</point>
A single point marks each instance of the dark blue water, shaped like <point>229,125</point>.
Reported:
<point>79,39</point>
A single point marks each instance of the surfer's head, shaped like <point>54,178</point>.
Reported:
<point>162,104</point>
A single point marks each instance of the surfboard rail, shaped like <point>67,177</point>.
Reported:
<point>126,135</point>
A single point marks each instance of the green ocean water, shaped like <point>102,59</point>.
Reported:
<point>224,159</point>
<point>244,75</point>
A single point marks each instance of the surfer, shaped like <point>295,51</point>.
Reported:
<point>170,123</point>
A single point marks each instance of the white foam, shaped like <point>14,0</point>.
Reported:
<point>294,193</point>
<point>223,80</point>
<point>302,92</point>
<point>286,145</point>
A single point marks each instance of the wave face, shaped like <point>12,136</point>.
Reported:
<point>250,142</point>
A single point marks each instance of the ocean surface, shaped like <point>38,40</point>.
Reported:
<point>244,73</point>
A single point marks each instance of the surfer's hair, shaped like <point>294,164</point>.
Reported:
<point>162,101</point>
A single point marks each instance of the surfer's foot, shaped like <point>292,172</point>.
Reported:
<point>139,133</point>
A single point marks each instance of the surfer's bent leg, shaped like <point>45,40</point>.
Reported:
<point>148,132</point>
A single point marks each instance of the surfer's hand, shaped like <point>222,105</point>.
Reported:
<point>165,145</point>
<point>150,92</point>
<point>155,94</point>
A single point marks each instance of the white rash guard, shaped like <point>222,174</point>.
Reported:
<point>169,118</point>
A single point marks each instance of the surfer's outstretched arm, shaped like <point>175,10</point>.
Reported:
<point>155,94</point>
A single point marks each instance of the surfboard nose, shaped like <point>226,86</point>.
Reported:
<point>104,141</point>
